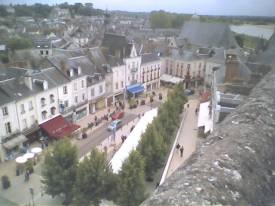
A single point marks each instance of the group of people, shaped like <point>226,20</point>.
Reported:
<point>180,148</point>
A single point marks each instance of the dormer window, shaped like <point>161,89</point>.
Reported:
<point>52,98</point>
<point>43,101</point>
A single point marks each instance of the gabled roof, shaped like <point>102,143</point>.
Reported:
<point>114,41</point>
<point>97,56</point>
<point>208,34</point>
<point>146,58</point>
<point>15,88</point>
<point>268,56</point>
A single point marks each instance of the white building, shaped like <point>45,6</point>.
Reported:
<point>150,71</point>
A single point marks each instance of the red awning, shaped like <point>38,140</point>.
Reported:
<point>59,127</point>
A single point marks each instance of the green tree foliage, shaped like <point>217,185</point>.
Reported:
<point>162,19</point>
<point>59,171</point>
<point>3,11</point>
<point>153,150</point>
<point>94,180</point>
<point>15,43</point>
<point>156,140</point>
<point>131,188</point>
<point>36,10</point>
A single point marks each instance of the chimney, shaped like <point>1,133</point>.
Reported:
<point>232,67</point>
<point>45,85</point>
<point>28,82</point>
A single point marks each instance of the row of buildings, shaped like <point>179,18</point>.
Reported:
<point>69,85</point>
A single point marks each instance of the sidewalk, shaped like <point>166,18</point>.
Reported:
<point>187,138</point>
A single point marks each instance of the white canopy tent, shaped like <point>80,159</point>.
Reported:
<point>171,79</point>
<point>205,119</point>
<point>132,140</point>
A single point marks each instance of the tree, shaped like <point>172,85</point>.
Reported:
<point>15,43</point>
<point>59,170</point>
<point>94,176</point>
<point>131,181</point>
<point>153,149</point>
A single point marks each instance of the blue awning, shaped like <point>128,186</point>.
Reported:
<point>136,88</point>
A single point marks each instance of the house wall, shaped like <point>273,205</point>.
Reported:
<point>119,79</point>
<point>79,90</point>
<point>132,70</point>
<point>12,119</point>
<point>65,98</point>
<point>28,117</point>
<point>150,75</point>
<point>48,104</point>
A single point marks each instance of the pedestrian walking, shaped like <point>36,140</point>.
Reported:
<point>181,151</point>
<point>196,111</point>
<point>178,146</point>
<point>188,105</point>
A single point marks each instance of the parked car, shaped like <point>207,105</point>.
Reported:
<point>118,115</point>
<point>115,125</point>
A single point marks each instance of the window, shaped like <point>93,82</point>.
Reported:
<point>83,97</point>
<point>133,64</point>
<point>66,103</point>
<point>82,83</point>
<point>43,101</point>
<point>24,124</point>
<point>122,84</point>
<point>100,89</point>
<point>75,86</point>
<point>76,99</point>
<point>47,52</point>
<point>188,66</point>
<point>92,92</point>
<point>41,52</point>
<point>53,109</point>
<point>65,91</point>
<point>8,127</point>
<point>33,119</point>
<point>52,98</point>
<point>30,106</point>
<point>22,109</point>
<point>44,115</point>
<point>5,111</point>
<point>117,85</point>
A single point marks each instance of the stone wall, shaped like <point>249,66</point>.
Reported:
<point>236,164</point>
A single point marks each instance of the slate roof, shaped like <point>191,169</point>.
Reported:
<point>147,58</point>
<point>97,56</point>
<point>268,56</point>
<point>114,41</point>
<point>114,61</point>
<point>15,88</point>
<point>208,34</point>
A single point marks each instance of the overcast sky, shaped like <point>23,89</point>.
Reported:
<point>214,7</point>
